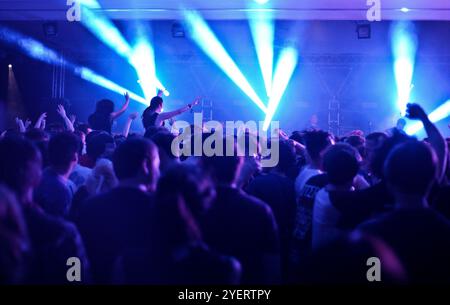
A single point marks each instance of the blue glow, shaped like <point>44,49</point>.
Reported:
<point>439,114</point>
<point>404,9</point>
<point>261,1</point>
<point>38,51</point>
<point>263,29</point>
<point>283,72</point>
<point>404,48</point>
<point>143,59</point>
<point>205,38</point>
<point>102,28</point>
<point>99,80</point>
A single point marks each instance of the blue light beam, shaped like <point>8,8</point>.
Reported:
<point>263,31</point>
<point>205,38</point>
<point>38,51</point>
<point>404,48</point>
<point>284,69</point>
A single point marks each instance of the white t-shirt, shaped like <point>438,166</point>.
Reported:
<point>306,173</point>
<point>325,220</point>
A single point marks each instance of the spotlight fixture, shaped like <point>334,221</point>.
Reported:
<point>363,31</point>
<point>404,9</point>
<point>50,29</point>
<point>10,66</point>
<point>178,30</point>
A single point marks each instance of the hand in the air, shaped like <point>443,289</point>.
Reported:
<point>133,116</point>
<point>61,111</point>
<point>415,112</point>
<point>127,96</point>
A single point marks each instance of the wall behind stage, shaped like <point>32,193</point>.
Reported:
<point>334,64</point>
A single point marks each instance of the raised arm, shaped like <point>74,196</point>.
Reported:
<point>130,119</point>
<point>436,140</point>
<point>168,115</point>
<point>67,122</point>
<point>124,107</point>
<point>40,123</point>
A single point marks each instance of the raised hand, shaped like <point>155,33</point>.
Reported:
<point>196,101</point>
<point>40,121</point>
<point>415,112</point>
<point>73,118</point>
<point>127,96</point>
<point>61,111</point>
<point>20,124</point>
<point>27,123</point>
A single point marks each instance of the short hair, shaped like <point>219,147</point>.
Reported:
<point>287,157</point>
<point>340,163</point>
<point>62,148</point>
<point>104,106</point>
<point>96,143</point>
<point>36,135</point>
<point>130,155</point>
<point>224,169</point>
<point>316,141</point>
<point>155,103</point>
<point>16,154</point>
<point>410,168</point>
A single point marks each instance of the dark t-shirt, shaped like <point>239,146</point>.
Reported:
<point>113,223</point>
<point>359,206</point>
<point>53,242</point>
<point>421,239</point>
<point>192,264</point>
<point>149,119</point>
<point>279,193</point>
<point>302,233</point>
<point>242,226</point>
<point>99,121</point>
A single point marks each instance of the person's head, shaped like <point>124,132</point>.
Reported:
<point>316,142</point>
<point>137,161</point>
<point>14,243</point>
<point>379,155</point>
<point>184,195</point>
<point>401,123</point>
<point>102,178</point>
<point>104,107</point>
<point>164,142</point>
<point>20,167</point>
<point>224,169</point>
<point>36,135</point>
<point>357,142</point>
<point>63,152</point>
<point>410,169</point>
<point>99,144</point>
<point>287,157</point>
<point>341,164</point>
<point>156,104</point>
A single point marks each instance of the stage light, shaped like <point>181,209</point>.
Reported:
<point>262,29</point>
<point>178,30</point>
<point>261,1</point>
<point>205,38</point>
<point>143,60</point>
<point>439,114</point>
<point>50,29</point>
<point>284,69</point>
<point>404,48</point>
<point>39,51</point>
<point>404,9</point>
<point>102,28</point>
<point>99,80</point>
<point>10,66</point>
<point>364,31</point>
